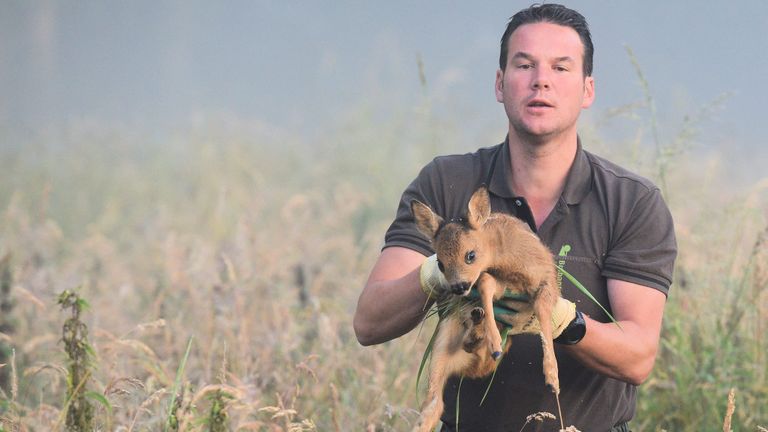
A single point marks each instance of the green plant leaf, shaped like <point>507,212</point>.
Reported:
<point>89,349</point>
<point>504,335</point>
<point>177,383</point>
<point>100,398</point>
<point>427,353</point>
<point>586,293</point>
<point>458,399</point>
<point>82,304</point>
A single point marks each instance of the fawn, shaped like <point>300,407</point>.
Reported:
<point>494,252</point>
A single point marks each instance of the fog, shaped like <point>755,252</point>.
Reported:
<point>303,66</point>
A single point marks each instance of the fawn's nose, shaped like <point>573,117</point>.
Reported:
<point>461,288</point>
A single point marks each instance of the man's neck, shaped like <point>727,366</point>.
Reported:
<point>539,170</point>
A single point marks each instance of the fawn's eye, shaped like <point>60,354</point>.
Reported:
<point>440,266</point>
<point>469,258</point>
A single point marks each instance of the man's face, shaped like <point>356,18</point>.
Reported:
<point>543,88</point>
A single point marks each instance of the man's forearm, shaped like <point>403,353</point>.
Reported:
<point>627,353</point>
<point>389,308</point>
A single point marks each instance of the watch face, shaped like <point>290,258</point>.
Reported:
<point>578,331</point>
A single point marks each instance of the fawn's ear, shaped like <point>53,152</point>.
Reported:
<point>426,220</point>
<point>479,208</point>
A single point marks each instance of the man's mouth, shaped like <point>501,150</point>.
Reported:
<point>540,103</point>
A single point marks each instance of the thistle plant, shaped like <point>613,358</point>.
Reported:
<point>79,353</point>
<point>7,325</point>
<point>217,415</point>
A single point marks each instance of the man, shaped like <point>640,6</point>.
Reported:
<point>606,226</point>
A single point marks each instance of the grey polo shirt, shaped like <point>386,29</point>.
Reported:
<point>608,224</point>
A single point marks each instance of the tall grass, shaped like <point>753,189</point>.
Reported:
<point>256,244</point>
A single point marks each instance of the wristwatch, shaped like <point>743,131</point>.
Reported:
<point>574,332</point>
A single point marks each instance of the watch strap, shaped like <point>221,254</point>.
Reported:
<point>574,332</point>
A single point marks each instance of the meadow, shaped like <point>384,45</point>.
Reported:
<point>219,267</point>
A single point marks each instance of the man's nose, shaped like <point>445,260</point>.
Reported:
<point>541,80</point>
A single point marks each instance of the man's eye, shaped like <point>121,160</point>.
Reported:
<point>525,66</point>
<point>561,68</point>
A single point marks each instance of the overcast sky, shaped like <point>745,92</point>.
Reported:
<point>299,64</point>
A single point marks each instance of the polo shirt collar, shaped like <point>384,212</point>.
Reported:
<point>578,183</point>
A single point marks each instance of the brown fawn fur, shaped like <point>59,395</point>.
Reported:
<point>494,252</point>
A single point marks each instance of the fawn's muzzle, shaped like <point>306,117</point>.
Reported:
<point>461,288</point>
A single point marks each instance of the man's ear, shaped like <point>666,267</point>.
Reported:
<point>426,220</point>
<point>499,85</point>
<point>589,92</point>
<point>479,208</point>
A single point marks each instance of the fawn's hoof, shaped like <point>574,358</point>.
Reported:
<point>477,315</point>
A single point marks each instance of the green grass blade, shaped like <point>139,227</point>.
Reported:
<point>177,383</point>
<point>100,398</point>
<point>504,334</point>
<point>586,292</point>
<point>427,353</point>
<point>458,399</point>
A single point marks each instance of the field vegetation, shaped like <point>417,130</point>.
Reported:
<point>212,275</point>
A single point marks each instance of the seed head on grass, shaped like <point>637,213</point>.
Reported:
<point>538,417</point>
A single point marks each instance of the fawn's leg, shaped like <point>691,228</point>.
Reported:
<point>447,359</point>
<point>487,287</point>
<point>431,411</point>
<point>543,305</point>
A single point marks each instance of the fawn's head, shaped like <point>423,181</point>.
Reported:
<point>461,246</point>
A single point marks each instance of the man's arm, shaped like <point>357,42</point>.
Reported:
<point>627,353</point>
<point>392,302</point>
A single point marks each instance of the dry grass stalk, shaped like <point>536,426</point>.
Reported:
<point>14,378</point>
<point>25,294</point>
<point>335,408</point>
<point>154,397</point>
<point>235,392</point>
<point>729,411</point>
<point>113,387</point>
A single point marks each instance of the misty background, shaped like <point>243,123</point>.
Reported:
<point>307,67</point>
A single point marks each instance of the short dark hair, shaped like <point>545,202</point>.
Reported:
<point>554,14</point>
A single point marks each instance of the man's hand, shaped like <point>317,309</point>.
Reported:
<point>432,281</point>
<point>514,311</point>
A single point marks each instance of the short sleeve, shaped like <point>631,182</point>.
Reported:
<point>403,232</point>
<point>643,248</point>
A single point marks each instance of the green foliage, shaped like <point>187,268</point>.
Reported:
<point>709,347</point>
<point>216,420</point>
